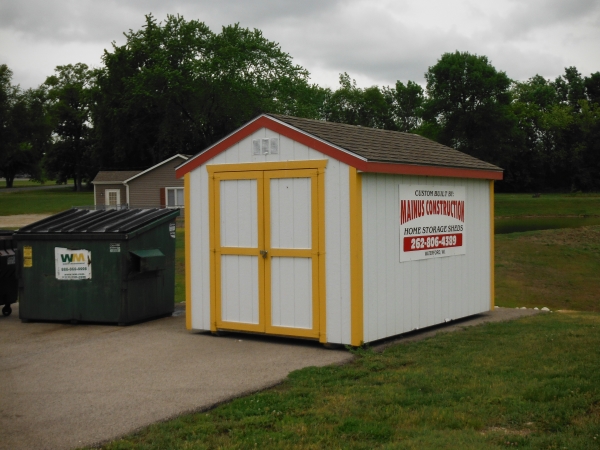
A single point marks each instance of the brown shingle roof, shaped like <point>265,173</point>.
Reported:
<point>386,146</point>
<point>117,176</point>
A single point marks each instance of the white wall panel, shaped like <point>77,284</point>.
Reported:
<point>239,288</point>
<point>400,297</point>
<point>199,251</point>
<point>291,215</point>
<point>337,231</point>
<point>239,222</point>
<point>337,236</point>
<point>291,292</point>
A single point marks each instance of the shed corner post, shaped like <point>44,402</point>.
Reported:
<point>321,258</point>
<point>492,250</point>
<point>356,259</point>
<point>212,191</point>
<point>188,250</point>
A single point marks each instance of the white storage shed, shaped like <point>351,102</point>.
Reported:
<point>345,234</point>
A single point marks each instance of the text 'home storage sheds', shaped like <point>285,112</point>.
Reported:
<point>340,233</point>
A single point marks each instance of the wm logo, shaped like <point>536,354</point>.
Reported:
<point>74,257</point>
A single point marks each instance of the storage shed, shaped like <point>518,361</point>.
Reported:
<point>340,233</point>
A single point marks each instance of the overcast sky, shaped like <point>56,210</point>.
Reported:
<point>376,42</point>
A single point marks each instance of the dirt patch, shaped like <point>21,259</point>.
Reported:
<point>20,220</point>
<point>507,431</point>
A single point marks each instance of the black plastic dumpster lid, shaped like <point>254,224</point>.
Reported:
<point>103,221</point>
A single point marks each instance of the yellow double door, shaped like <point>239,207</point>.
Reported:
<point>268,259</point>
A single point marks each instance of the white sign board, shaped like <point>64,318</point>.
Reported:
<point>72,264</point>
<point>432,221</point>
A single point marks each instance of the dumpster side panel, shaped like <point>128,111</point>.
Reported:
<point>8,263</point>
<point>8,279</point>
<point>151,293</point>
<point>44,297</point>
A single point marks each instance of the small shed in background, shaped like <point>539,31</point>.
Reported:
<point>340,233</point>
<point>151,188</point>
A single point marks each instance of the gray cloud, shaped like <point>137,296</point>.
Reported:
<point>92,21</point>
<point>531,16</point>
<point>375,42</point>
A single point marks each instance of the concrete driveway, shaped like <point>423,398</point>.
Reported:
<point>65,386</point>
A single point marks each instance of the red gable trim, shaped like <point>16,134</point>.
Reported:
<point>329,150</point>
<point>431,171</point>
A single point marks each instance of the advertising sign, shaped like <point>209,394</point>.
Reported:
<point>432,221</point>
<point>72,264</point>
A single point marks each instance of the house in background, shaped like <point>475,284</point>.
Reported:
<point>154,187</point>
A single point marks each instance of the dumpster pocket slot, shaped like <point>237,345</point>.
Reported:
<point>147,260</point>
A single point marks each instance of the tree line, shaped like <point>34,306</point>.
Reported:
<point>177,87</point>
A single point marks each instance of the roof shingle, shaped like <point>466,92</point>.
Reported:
<point>118,176</point>
<point>386,146</point>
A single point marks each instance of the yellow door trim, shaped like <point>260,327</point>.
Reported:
<point>211,233</point>
<point>321,248</point>
<point>187,251</point>
<point>492,250</point>
<point>277,165</point>
<point>356,258</point>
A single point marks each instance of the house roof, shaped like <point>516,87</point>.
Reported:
<point>116,176</point>
<point>142,172</point>
<point>387,146</point>
<point>124,176</point>
<point>366,149</point>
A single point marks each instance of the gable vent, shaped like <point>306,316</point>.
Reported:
<point>265,146</point>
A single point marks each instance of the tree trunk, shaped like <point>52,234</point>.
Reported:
<point>77,183</point>
<point>10,180</point>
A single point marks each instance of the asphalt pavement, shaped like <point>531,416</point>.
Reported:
<point>64,386</point>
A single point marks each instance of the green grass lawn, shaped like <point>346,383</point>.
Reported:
<point>518,205</point>
<point>532,383</point>
<point>558,269</point>
<point>43,201</point>
<point>26,183</point>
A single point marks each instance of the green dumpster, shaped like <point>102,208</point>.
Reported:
<point>8,276</point>
<point>108,266</point>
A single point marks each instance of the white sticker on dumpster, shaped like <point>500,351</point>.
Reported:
<point>73,264</point>
<point>432,221</point>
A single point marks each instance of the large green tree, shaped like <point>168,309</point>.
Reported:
<point>561,122</point>
<point>407,105</point>
<point>368,107</point>
<point>24,129</point>
<point>69,92</point>
<point>469,108</point>
<point>176,87</point>
<point>541,162</point>
<point>397,108</point>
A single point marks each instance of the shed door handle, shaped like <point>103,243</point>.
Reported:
<point>264,253</point>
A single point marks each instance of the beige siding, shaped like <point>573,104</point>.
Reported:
<point>101,195</point>
<point>145,189</point>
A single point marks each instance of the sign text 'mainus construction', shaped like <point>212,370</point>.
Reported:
<point>432,221</point>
